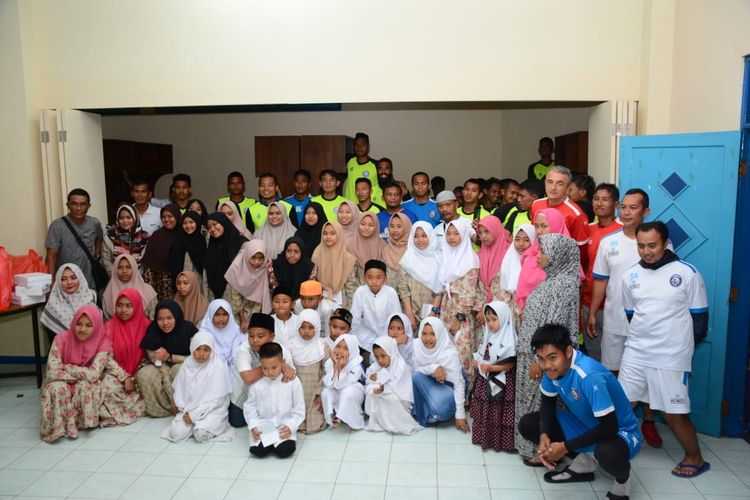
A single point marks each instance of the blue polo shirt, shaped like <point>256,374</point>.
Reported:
<point>589,392</point>
<point>384,218</point>
<point>427,212</point>
<point>298,207</point>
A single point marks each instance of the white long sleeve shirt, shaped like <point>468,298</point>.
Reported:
<point>370,312</point>
<point>272,399</point>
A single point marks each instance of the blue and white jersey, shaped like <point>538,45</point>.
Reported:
<point>590,391</point>
<point>661,301</point>
<point>427,212</point>
<point>298,207</point>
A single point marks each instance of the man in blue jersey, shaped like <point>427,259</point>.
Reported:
<point>301,196</point>
<point>598,418</point>
<point>420,204</point>
<point>392,196</point>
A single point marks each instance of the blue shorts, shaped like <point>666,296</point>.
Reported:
<point>572,427</point>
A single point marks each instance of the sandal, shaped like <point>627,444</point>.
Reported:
<point>532,462</point>
<point>697,470</point>
<point>573,477</point>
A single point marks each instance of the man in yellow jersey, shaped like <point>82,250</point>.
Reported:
<point>538,170</point>
<point>328,197</point>
<point>236,190</point>
<point>531,190</point>
<point>472,208</point>
<point>364,202</point>
<point>267,186</point>
<point>361,165</point>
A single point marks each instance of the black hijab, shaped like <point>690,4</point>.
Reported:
<point>156,254</point>
<point>191,244</point>
<point>221,252</point>
<point>175,342</point>
<point>292,275</point>
<point>310,235</point>
<point>204,215</point>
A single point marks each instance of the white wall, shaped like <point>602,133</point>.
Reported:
<point>453,143</point>
<point>110,53</point>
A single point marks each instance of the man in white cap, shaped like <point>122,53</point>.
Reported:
<point>448,208</point>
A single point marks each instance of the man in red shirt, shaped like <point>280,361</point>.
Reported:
<point>556,187</point>
<point>605,205</point>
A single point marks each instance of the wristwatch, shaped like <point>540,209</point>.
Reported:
<point>436,310</point>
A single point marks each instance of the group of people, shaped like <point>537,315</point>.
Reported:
<point>381,309</point>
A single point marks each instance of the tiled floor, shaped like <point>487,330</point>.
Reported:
<point>133,462</point>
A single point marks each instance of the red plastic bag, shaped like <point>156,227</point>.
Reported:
<point>6,280</point>
<point>10,265</point>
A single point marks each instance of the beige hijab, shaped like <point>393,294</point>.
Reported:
<point>350,229</point>
<point>275,236</point>
<point>195,304</point>
<point>251,283</point>
<point>396,248</point>
<point>115,286</point>
<point>335,263</point>
<point>236,219</point>
<point>363,248</point>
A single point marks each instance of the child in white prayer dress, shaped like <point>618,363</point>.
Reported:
<point>389,392</point>
<point>343,392</point>
<point>201,395</point>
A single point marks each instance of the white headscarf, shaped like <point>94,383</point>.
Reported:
<point>510,269</point>
<point>62,306</point>
<point>400,374</point>
<point>443,354</point>
<point>459,260</point>
<point>307,352</point>
<point>424,265</point>
<point>198,383</point>
<point>354,357</point>
<point>502,342</point>
<point>406,350</point>
<point>227,339</point>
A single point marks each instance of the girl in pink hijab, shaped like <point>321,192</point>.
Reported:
<point>71,393</point>
<point>495,243</point>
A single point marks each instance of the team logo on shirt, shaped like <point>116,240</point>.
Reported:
<point>634,280</point>
<point>575,394</point>
<point>432,214</point>
<point>613,251</point>
<point>366,173</point>
<point>675,280</point>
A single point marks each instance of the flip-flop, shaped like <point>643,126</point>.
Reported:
<point>573,477</point>
<point>697,470</point>
<point>612,496</point>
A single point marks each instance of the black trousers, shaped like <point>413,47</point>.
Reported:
<point>282,450</point>
<point>612,453</point>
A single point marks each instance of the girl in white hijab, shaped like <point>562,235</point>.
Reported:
<point>420,289</point>
<point>201,395</point>
<point>439,385</point>
<point>219,321</point>
<point>463,299</point>
<point>343,393</point>
<point>493,402</point>
<point>389,395</point>
<point>523,238</point>
<point>309,352</point>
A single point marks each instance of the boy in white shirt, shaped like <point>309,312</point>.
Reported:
<point>247,365</point>
<point>274,409</point>
<point>285,320</point>
<point>311,297</point>
<point>372,304</point>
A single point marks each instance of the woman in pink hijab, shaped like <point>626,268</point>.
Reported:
<point>547,221</point>
<point>71,394</point>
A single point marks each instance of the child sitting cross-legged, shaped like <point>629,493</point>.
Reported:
<point>274,409</point>
<point>389,393</point>
<point>201,395</point>
<point>343,392</point>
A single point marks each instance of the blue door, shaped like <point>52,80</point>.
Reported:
<point>691,180</point>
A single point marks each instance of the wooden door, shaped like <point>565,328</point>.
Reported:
<point>319,152</point>
<point>279,155</point>
<point>139,159</point>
